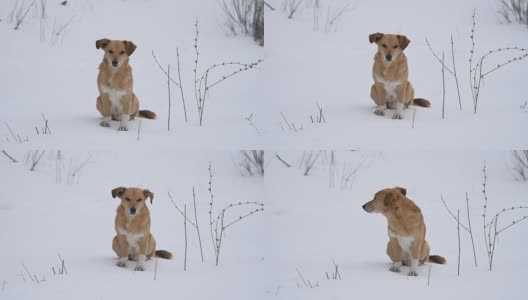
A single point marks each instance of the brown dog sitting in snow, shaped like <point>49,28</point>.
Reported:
<point>391,88</point>
<point>407,244</point>
<point>116,99</point>
<point>132,224</point>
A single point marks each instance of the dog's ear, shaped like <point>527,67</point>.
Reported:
<point>149,194</point>
<point>129,47</point>
<point>102,43</point>
<point>118,192</point>
<point>402,190</point>
<point>404,41</point>
<point>375,37</point>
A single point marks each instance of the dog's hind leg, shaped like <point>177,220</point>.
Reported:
<point>151,247</point>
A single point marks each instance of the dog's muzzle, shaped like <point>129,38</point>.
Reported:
<point>132,211</point>
<point>365,208</point>
<point>115,63</point>
<point>388,58</point>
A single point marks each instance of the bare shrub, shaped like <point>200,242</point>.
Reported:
<point>308,161</point>
<point>477,73</point>
<point>19,13</point>
<point>514,11</point>
<point>209,78</point>
<point>480,67</point>
<point>219,224</point>
<point>520,160</point>
<point>491,227</point>
<point>327,18</point>
<point>245,17</point>
<point>252,162</point>
<point>291,7</point>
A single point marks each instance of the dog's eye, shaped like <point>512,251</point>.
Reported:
<point>122,52</point>
<point>111,51</point>
<point>396,46</point>
<point>384,46</point>
<point>127,199</point>
<point>139,200</point>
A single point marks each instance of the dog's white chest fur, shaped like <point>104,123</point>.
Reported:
<point>132,238</point>
<point>390,87</point>
<point>115,97</point>
<point>404,241</point>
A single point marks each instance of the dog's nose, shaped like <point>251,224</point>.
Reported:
<point>114,62</point>
<point>133,211</point>
<point>388,57</point>
<point>365,208</point>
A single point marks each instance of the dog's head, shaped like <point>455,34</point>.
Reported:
<point>390,46</point>
<point>386,201</point>
<point>116,52</point>
<point>132,199</point>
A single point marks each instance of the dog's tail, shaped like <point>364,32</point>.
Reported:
<point>164,254</point>
<point>419,102</point>
<point>437,259</point>
<point>147,114</point>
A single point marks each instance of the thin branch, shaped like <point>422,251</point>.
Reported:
<point>9,156</point>
<point>185,229</point>
<point>180,211</point>
<point>163,70</point>
<point>438,58</point>
<point>451,213</point>
<point>197,227</point>
<point>181,85</point>
<point>471,230</point>
<point>283,161</point>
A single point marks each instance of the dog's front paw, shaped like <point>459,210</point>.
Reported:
<point>104,123</point>
<point>123,128</point>
<point>379,111</point>
<point>395,269</point>
<point>139,268</point>
<point>397,116</point>
<point>413,273</point>
<point>121,264</point>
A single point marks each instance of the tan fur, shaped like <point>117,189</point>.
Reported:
<point>137,225</point>
<point>405,220</point>
<point>395,70</point>
<point>117,78</point>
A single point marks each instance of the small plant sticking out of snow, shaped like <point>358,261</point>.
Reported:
<point>334,274</point>
<point>524,107</point>
<point>306,282</point>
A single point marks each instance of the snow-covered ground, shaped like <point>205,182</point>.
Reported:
<point>334,69</point>
<point>43,214</point>
<point>314,223</point>
<point>63,206</point>
<point>58,78</point>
